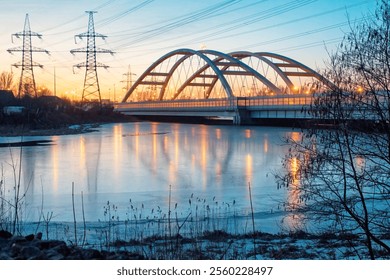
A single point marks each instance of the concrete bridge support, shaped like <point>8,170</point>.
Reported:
<point>242,116</point>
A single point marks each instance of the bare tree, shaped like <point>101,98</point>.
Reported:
<point>6,80</point>
<point>343,173</point>
<point>42,90</point>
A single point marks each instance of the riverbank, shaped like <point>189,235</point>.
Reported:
<point>15,131</point>
<point>216,245</point>
<point>48,116</point>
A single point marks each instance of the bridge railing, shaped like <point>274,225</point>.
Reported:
<point>274,101</point>
<point>219,104</point>
<point>197,104</point>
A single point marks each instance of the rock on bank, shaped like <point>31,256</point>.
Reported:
<point>32,247</point>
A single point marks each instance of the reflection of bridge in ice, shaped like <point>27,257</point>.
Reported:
<point>240,85</point>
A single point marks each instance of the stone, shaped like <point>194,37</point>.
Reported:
<point>5,234</point>
<point>5,256</point>
<point>30,237</point>
<point>91,254</point>
<point>19,240</point>
<point>15,250</point>
<point>30,253</point>
<point>52,254</point>
<point>47,244</point>
<point>62,249</point>
<point>39,235</point>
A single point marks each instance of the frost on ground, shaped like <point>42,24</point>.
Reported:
<point>119,240</point>
<point>219,245</point>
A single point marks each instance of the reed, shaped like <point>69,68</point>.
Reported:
<point>253,220</point>
<point>74,216</point>
<point>13,198</point>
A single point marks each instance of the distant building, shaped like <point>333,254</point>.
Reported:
<point>13,110</point>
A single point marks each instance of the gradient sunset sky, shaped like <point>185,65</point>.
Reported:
<point>141,31</point>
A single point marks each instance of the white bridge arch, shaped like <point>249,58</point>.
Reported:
<point>208,74</point>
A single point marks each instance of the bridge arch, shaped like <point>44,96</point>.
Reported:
<point>205,74</point>
<point>231,60</point>
<point>245,54</point>
<point>186,53</point>
<point>289,62</point>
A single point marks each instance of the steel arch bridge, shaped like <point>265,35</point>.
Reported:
<point>204,74</point>
<point>192,80</point>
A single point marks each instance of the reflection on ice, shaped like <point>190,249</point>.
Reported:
<point>139,161</point>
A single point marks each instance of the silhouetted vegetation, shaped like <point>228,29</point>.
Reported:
<point>340,176</point>
<point>50,112</point>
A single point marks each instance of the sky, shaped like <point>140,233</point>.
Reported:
<point>141,31</point>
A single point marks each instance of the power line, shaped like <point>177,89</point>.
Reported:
<point>305,33</point>
<point>114,18</point>
<point>219,30</point>
<point>180,22</point>
<point>75,19</point>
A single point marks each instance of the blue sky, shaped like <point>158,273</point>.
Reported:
<point>141,31</point>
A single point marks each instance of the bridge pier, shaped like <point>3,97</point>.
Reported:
<point>242,116</point>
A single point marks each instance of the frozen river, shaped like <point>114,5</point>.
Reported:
<point>153,167</point>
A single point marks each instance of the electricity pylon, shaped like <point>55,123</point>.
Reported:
<point>129,80</point>
<point>91,81</point>
<point>27,80</point>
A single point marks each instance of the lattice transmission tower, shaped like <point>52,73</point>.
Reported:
<point>27,81</point>
<point>128,81</point>
<point>91,81</point>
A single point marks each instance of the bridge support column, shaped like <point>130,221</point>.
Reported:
<point>242,117</point>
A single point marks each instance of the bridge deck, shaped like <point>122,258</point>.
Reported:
<point>278,106</point>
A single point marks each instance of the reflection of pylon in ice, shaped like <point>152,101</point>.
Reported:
<point>27,81</point>
<point>91,82</point>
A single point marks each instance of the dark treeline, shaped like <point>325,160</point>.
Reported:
<point>51,112</point>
